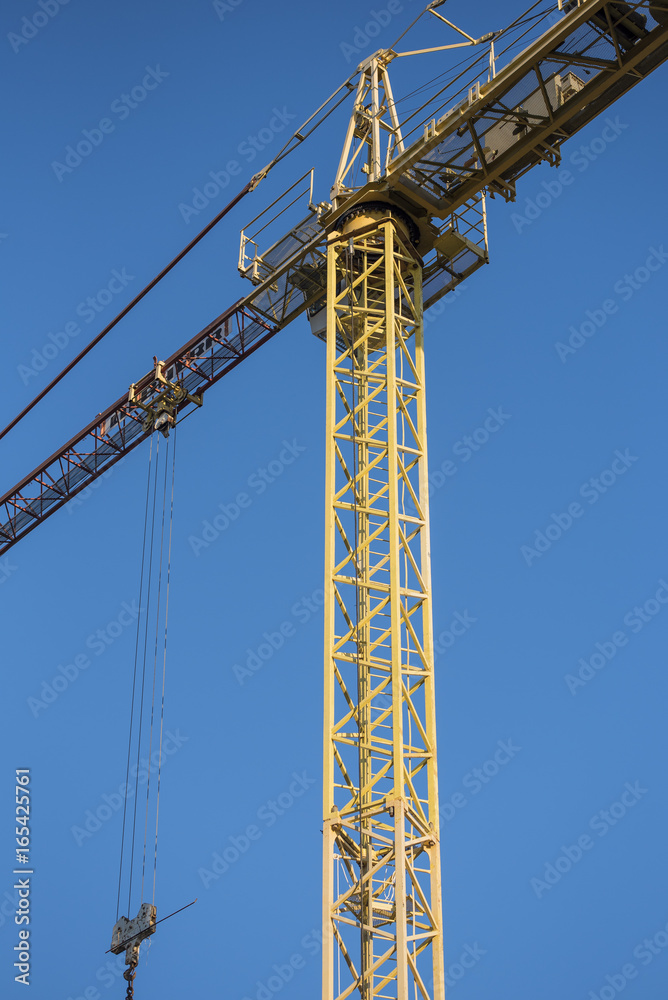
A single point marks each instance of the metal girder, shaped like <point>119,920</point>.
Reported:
<point>374,112</point>
<point>442,176</point>
<point>197,366</point>
<point>477,144</point>
<point>382,924</point>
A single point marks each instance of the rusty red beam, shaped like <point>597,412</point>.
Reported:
<point>199,364</point>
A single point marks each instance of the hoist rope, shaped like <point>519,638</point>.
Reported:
<point>134,679</point>
<point>156,558</point>
<point>143,681</point>
<point>164,661</point>
<point>155,668</point>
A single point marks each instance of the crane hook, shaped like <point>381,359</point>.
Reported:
<point>129,976</point>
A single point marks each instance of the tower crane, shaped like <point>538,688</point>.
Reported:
<point>405,225</point>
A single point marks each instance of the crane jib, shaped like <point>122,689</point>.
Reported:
<point>113,434</point>
<point>516,120</point>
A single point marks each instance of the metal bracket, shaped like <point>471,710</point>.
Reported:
<point>161,412</point>
<point>127,934</point>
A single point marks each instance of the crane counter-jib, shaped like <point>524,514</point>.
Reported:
<point>521,117</point>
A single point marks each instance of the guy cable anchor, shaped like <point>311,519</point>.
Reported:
<point>161,413</point>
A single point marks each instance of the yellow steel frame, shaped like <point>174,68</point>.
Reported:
<point>382,919</point>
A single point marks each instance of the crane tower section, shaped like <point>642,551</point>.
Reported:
<point>381,900</point>
<point>382,906</point>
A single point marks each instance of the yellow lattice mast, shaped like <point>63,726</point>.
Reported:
<point>382,895</point>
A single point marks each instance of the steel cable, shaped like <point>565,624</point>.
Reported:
<point>164,662</point>
<point>124,312</point>
<point>134,678</point>
<point>155,668</point>
<point>143,683</point>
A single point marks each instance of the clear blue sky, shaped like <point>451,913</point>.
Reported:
<point>219,83</point>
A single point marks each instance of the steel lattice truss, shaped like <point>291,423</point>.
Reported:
<point>382,867</point>
<point>199,365</point>
<point>521,118</point>
<point>506,125</point>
